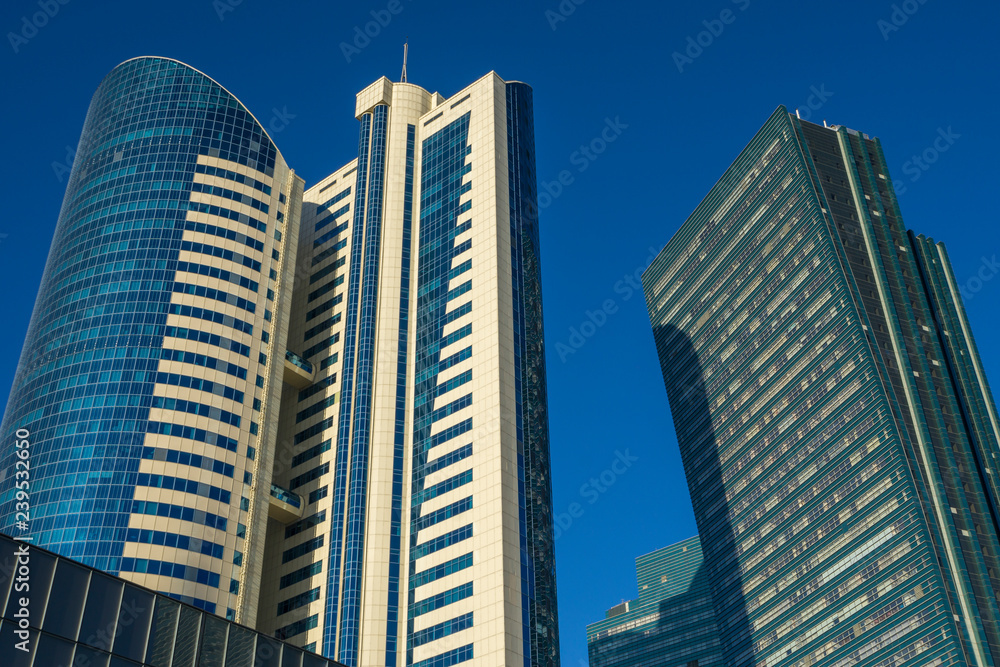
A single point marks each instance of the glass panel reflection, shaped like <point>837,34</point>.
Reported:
<point>101,611</point>
<point>42,566</point>
<point>292,657</point>
<point>62,617</point>
<point>239,652</point>
<point>133,623</point>
<point>188,632</point>
<point>268,652</point>
<point>161,635</point>
<point>11,656</point>
<point>53,651</point>
<point>213,642</point>
<point>88,657</point>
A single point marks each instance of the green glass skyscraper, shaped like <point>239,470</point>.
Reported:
<point>837,431</point>
<point>670,623</point>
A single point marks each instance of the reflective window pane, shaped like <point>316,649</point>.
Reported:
<point>161,635</point>
<point>10,656</point>
<point>292,656</point>
<point>62,615</point>
<point>240,649</point>
<point>54,651</point>
<point>188,633</point>
<point>88,657</point>
<point>122,662</point>
<point>213,642</point>
<point>8,569</point>
<point>41,566</point>
<point>100,612</point>
<point>268,653</point>
<point>133,623</point>
<point>313,660</point>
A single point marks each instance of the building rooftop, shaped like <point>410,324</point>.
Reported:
<point>66,613</point>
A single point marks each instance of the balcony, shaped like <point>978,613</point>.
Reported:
<point>285,506</point>
<point>298,372</point>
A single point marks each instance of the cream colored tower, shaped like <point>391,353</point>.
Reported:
<point>420,449</point>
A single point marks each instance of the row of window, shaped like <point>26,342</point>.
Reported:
<point>183,485</point>
<point>453,657</point>
<point>188,459</point>
<point>438,571</point>
<point>433,602</point>
<point>226,193</point>
<point>230,175</point>
<point>175,570</point>
<point>186,542</point>
<point>435,632</point>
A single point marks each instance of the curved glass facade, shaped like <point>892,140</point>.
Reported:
<point>145,375</point>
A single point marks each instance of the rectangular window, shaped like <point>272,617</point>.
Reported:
<point>305,524</point>
<point>440,488</point>
<point>318,494</point>
<point>300,600</point>
<point>311,453</point>
<point>435,632</point>
<point>442,570</point>
<point>300,575</point>
<point>302,549</point>
<point>307,477</point>
<point>297,628</point>
<point>441,600</point>
<point>438,543</point>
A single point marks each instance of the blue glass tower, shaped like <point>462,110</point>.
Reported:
<point>672,622</point>
<point>152,358</point>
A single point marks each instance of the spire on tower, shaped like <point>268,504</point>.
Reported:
<point>406,48</point>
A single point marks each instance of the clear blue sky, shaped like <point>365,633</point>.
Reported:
<point>608,60</point>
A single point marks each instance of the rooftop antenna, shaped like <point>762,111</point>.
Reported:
<point>406,48</point>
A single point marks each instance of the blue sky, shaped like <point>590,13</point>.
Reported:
<point>926,69</point>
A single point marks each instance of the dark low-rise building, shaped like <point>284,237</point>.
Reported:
<point>60,613</point>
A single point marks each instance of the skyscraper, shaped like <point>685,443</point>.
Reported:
<point>152,362</point>
<point>420,448</point>
<point>837,431</point>
<point>672,622</point>
<point>354,372</point>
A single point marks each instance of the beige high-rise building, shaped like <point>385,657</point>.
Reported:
<point>419,448</point>
<point>319,413</point>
